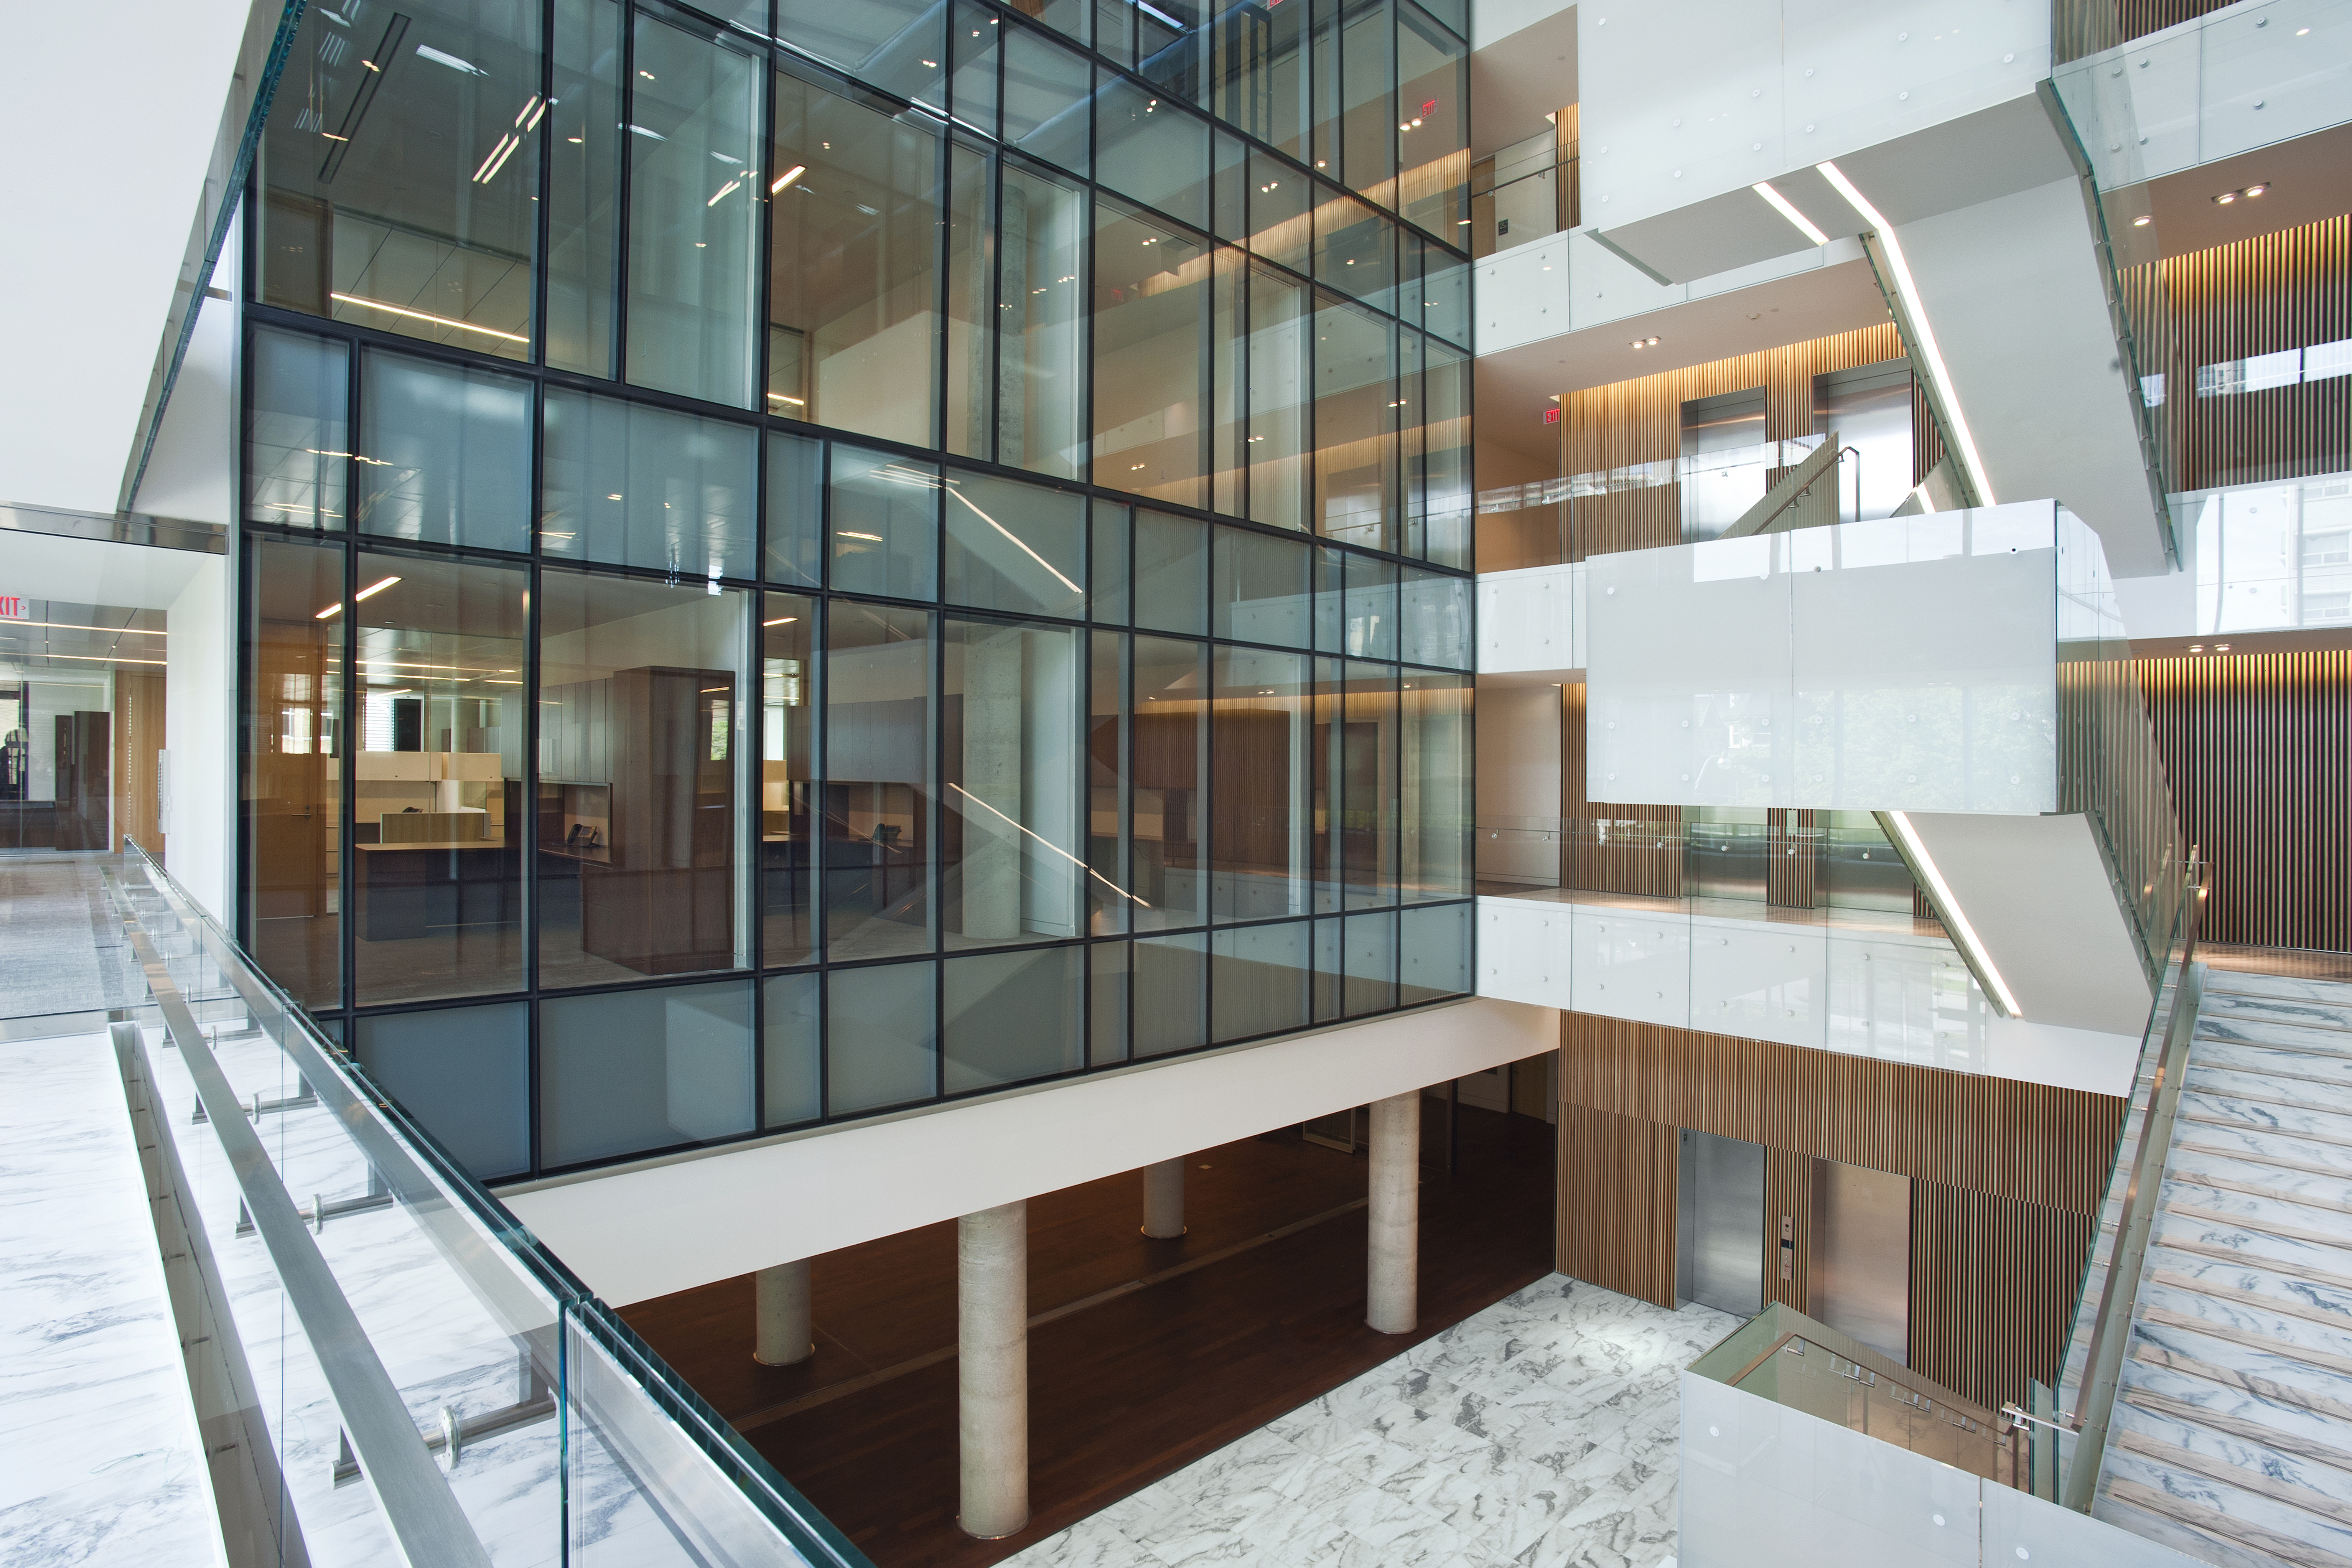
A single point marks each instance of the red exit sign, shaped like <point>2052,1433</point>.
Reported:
<point>1551,415</point>
<point>11,609</point>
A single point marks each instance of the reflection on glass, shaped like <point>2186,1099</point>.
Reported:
<point>970,326</point>
<point>1015,547</point>
<point>1170,980</point>
<point>1434,618</point>
<point>1041,419</point>
<point>1152,150</point>
<point>642,692</point>
<point>639,485</point>
<point>293,778</point>
<point>879,720</point>
<point>583,187</point>
<point>1370,117</point>
<point>1152,299</point>
<point>437,800</point>
<point>1371,607</point>
<point>1172,574</point>
<point>1046,91</point>
<point>1108,601</point>
<point>1355,427</point>
<point>1331,597</point>
<point>971,44</point>
<point>1356,766</point>
<point>1171,763</point>
<point>1012,1017</point>
<point>795,510</point>
<point>879,1034</point>
<point>297,449</point>
<point>1109,897</point>
<point>445,453</point>
<point>693,194</point>
<point>787,778</point>
<point>464,1074</point>
<point>1369,956</point>
<point>1264,747</point>
<point>791,1035</point>
<point>1010,852</point>
<point>399,170</point>
<point>1228,443</point>
<point>1446,297</point>
<point>1436,809</point>
<point>1259,978</point>
<point>886,524</point>
<point>1280,227</point>
<point>853,280</point>
<point>1434,119</point>
<point>1107,1016</point>
<point>893,44</point>
<point>624,1072</point>
<point>1441,483</point>
<point>1279,357</point>
<point>1433,951</point>
<point>1264,588</point>
<point>1262,87</point>
<point>1355,250</point>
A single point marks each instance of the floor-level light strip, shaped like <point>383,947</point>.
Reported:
<point>428,316</point>
<point>1788,209</point>
<point>1962,932</point>
<point>1910,291</point>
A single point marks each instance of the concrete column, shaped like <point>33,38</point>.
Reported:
<point>1392,1297</point>
<point>784,1331</point>
<point>992,1369</point>
<point>1163,1198</point>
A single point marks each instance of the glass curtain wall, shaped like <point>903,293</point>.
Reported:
<point>854,573</point>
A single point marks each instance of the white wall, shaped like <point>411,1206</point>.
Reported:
<point>189,475</point>
<point>1532,619</point>
<point>1518,783</point>
<point>646,1231</point>
<point>199,721</point>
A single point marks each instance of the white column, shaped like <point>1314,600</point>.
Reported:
<point>992,769</point>
<point>1392,1267</point>
<point>992,1369</point>
<point>1163,1198</point>
<point>784,1330</point>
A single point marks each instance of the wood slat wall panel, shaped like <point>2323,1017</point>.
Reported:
<point>1787,1190</point>
<point>1792,878</point>
<point>2082,28</point>
<point>2258,749</point>
<point>1617,1175</point>
<point>1993,1290</point>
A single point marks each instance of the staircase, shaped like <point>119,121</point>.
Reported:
<point>2231,1437</point>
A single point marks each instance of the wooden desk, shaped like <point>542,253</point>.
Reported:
<point>406,890</point>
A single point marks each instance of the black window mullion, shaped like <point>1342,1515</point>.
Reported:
<point>618,361</point>
<point>546,181</point>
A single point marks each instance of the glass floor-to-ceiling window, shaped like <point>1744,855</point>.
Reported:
<point>812,560</point>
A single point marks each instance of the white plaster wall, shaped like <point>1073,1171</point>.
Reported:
<point>190,474</point>
<point>199,685</point>
<point>645,1231</point>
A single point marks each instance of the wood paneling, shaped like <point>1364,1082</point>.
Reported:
<point>1793,862</point>
<point>2258,750</point>
<point>138,737</point>
<point>1617,1177</point>
<point>1992,1289</point>
<point>2082,28</point>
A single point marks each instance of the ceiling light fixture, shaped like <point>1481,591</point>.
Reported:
<point>1963,932</point>
<point>870,538</point>
<point>1908,291</point>
<point>2142,221</point>
<point>329,613</point>
<point>1788,209</point>
<point>781,621</point>
<point>427,316</point>
<point>787,177</point>
<point>374,589</point>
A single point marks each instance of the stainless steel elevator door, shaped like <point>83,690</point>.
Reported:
<point>1719,1233</point>
<point>1859,1279</point>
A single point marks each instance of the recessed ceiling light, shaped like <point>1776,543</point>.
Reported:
<point>2141,222</point>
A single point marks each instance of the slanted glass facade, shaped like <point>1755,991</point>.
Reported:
<point>802,565</point>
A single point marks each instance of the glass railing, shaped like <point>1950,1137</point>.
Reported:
<point>405,1374</point>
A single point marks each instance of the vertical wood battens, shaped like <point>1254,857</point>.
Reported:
<point>1617,1175</point>
<point>1993,1290</point>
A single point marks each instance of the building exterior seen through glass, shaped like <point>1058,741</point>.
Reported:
<point>798,565</point>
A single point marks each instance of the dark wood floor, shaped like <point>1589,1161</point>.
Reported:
<point>1124,1390</point>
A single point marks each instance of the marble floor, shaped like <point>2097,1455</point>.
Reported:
<point>1540,1432</point>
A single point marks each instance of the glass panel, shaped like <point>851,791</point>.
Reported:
<point>1441,491</point>
<point>1171,573</point>
<point>1355,249</point>
<point>398,175</point>
<point>975,66</point>
<point>1040,398</point>
<point>1278,358</point>
<point>1266,94</point>
<point>1264,588</point>
<point>626,1071</point>
<point>1229,216</point>
<point>437,795</point>
<point>1015,547</point>
<point>1438,773</point>
<point>1327,970</point>
<point>1355,427</point>
<point>1369,957</point>
<point>853,288</point>
<point>1434,945</point>
<point>886,524</point>
<point>1010,770</point>
<point>1106,1027</point>
<point>795,511</point>
<point>1323,129</point>
<point>1171,1010</point>
<point>1260,980</point>
<point>1435,617</point>
<point>1108,898</point>
<point>642,691</point>
<point>893,44</point>
<point>1151,370</point>
<point>787,778</point>
<point>969,325</point>
<point>583,190</point>
<point>298,450</point>
<point>464,1074</point>
<point>639,485</point>
<point>879,720</point>
<point>1046,91</point>
<point>1170,759</point>
<point>1228,447</point>
<point>1433,125</point>
<point>445,453</point>
<point>791,1069</point>
<point>1264,748</point>
<point>694,196</point>
<point>293,784</point>
<point>1280,228</point>
<point>1372,624</point>
<point>1110,562</point>
<point>1446,297</point>
<point>1363,761</point>
<point>1330,596</point>
<point>1371,117</point>
<point>880,1034</point>
<point>1151,151</point>
<point>1012,1018</point>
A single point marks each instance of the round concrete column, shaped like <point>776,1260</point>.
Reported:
<point>992,1369</point>
<point>783,1332</point>
<point>1392,1296</point>
<point>1163,1199</point>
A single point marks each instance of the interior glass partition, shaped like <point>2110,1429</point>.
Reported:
<point>292,766</point>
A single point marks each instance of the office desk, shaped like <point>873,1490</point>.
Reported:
<point>408,889</point>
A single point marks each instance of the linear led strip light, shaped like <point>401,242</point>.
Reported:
<point>1926,333</point>
<point>1949,908</point>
